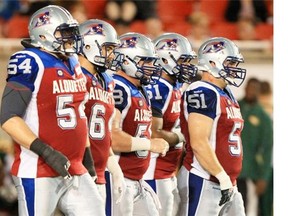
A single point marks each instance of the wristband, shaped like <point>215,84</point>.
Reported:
<point>224,180</point>
<point>40,148</point>
<point>140,144</point>
<point>181,137</point>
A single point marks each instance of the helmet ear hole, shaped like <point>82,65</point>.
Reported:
<point>164,60</point>
<point>212,63</point>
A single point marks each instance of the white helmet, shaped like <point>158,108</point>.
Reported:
<point>96,34</point>
<point>134,48</point>
<point>48,20</point>
<point>172,47</point>
<point>219,50</point>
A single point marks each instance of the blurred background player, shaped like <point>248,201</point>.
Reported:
<point>212,123</point>
<point>257,140</point>
<point>175,56</point>
<point>43,112</point>
<point>135,60</point>
<point>100,39</point>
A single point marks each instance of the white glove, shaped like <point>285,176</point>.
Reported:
<point>119,184</point>
<point>119,187</point>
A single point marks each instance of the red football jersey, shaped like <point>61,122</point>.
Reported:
<point>225,139</point>
<point>166,98</point>
<point>135,108</point>
<point>99,111</point>
<point>55,113</point>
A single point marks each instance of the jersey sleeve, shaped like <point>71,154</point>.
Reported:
<point>23,67</point>
<point>202,100</point>
<point>158,95</point>
<point>120,95</point>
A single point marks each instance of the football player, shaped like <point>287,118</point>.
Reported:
<point>136,63</point>
<point>100,39</point>
<point>43,111</point>
<point>176,57</point>
<point>212,123</point>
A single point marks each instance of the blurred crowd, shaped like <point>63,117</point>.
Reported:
<point>196,19</point>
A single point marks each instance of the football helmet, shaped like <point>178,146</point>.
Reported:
<point>175,56</point>
<point>52,28</point>
<point>96,34</point>
<point>221,50</point>
<point>136,56</point>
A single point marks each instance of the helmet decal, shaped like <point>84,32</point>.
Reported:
<point>43,19</point>
<point>95,29</point>
<point>170,44</point>
<point>214,47</point>
<point>129,42</point>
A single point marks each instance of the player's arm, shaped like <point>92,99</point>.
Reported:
<point>173,138</point>
<point>15,100</point>
<point>119,184</point>
<point>124,142</point>
<point>200,127</point>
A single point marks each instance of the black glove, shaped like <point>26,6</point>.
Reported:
<point>53,158</point>
<point>88,162</point>
<point>226,196</point>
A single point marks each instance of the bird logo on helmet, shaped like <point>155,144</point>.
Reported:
<point>95,30</point>
<point>129,42</point>
<point>214,47</point>
<point>170,44</point>
<point>43,19</point>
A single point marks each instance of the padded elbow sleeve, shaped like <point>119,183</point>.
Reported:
<point>15,100</point>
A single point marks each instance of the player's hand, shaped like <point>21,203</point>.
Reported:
<point>159,145</point>
<point>225,186</point>
<point>55,159</point>
<point>226,196</point>
<point>59,163</point>
<point>119,187</point>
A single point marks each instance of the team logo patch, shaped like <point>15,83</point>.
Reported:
<point>214,47</point>
<point>129,42</point>
<point>43,19</point>
<point>228,102</point>
<point>110,87</point>
<point>60,73</point>
<point>94,82</point>
<point>141,103</point>
<point>95,30</point>
<point>169,44</point>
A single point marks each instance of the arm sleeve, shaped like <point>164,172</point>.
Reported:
<point>15,100</point>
